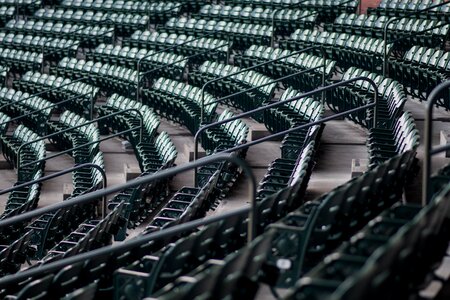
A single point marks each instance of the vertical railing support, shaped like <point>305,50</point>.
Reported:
<point>428,135</point>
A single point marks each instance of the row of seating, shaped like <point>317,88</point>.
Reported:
<point>319,226</point>
<point>59,89</point>
<point>75,138</point>
<point>121,122</point>
<point>20,60</point>
<point>10,145</point>
<point>224,136</point>
<point>54,48</point>
<point>157,11</point>
<point>161,154</point>
<point>89,36</point>
<point>286,20</point>
<point>389,258</point>
<point>222,277</point>
<point>241,34</point>
<point>88,178</point>
<point>14,255</point>
<point>186,204</point>
<point>348,50</point>
<point>179,102</point>
<point>109,78</point>
<point>324,69</point>
<point>248,79</point>
<point>404,32</point>
<point>293,173</point>
<point>327,9</point>
<point>386,143</point>
<point>292,114</point>
<point>58,285</point>
<point>421,69</point>
<point>124,23</point>
<point>17,104</point>
<point>21,3</point>
<point>203,48</point>
<point>90,235</point>
<point>149,59</point>
<point>391,98</point>
<point>20,201</point>
<point>3,75</point>
<point>6,14</point>
<point>402,8</point>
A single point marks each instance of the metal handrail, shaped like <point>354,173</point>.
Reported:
<point>142,239</point>
<point>282,133</point>
<point>60,173</point>
<point>140,127</point>
<point>428,150</point>
<point>251,68</point>
<point>140,75</point>
<point>385,30</point>
<point>44,108</point>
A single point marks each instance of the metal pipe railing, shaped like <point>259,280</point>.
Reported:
<point>304,95</point>
<point>140,127</point>
<point>428,133</point>
<point>141,75</point>
<point>385,30</point>
<point>142,239</point>
<point>251,68</point>
<point>63,172</point>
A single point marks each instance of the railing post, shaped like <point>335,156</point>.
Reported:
<point>428,133</point>
<point>385,31</point>
<point>91,109</point>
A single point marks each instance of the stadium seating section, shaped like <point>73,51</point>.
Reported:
<point>75,73</point>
